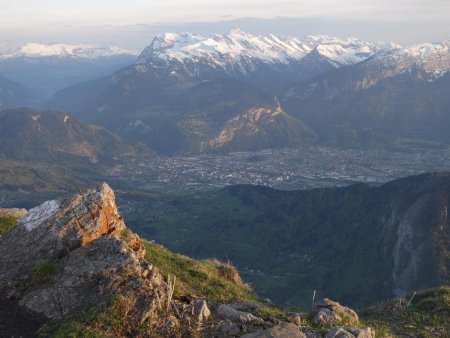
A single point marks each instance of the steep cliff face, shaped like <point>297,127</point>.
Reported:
<point>420,252</point>
<point>419,224</point>
<point>73,254</point>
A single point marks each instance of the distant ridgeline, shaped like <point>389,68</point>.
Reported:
<point>357,244</point>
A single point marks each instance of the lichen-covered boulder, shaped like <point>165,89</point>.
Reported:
<point>76,253</point>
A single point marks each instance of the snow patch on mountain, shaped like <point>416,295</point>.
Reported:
<point>348,53</point>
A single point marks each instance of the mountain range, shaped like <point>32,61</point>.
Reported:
<point>181,95</point>
<point>46,68</point>
<point>400,94</point>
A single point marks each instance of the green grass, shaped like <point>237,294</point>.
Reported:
<point>6,223</point>
<point>42,273</point>
<point>199,278</point>
<point>428,315</point>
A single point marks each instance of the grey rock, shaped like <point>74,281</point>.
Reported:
<point>361,333</point>
<point>229,313</point>
<point>327,317</point>
<point>228,328</point>
<point>200,310</point>
<point>81,238</point>
<point>350,332</point>
<point>283,330</point>
<point>339,332</point>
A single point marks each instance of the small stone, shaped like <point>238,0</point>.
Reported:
<point>201,310</point>
<point>294,318</point>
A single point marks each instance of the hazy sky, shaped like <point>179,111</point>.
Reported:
<point>133,23</point>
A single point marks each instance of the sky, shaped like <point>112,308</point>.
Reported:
<point>133,23</point>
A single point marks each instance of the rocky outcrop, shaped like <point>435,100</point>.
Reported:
<point>12,212</point>
<point>76,253</point>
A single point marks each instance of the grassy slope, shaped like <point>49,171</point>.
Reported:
<point>6,223</point>
<point>428,315</point>
<point>38,177</point>
<point>198,278</point>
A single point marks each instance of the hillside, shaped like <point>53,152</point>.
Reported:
<point>56,137</point>
<point>13,94</point>
<point>357,244</point>
<point>175,116</point>
<point>32,177</point>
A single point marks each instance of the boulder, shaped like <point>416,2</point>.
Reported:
<point>326,317</point>
<point>329,313</point>
<point>229,313</point>
<point>283,330</point>
<point>227,328</point>
<point>76,253</point>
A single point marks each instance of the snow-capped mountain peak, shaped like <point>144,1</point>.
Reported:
<point>432,59</point>
<point>82,51</point>
<point>238,46</point>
